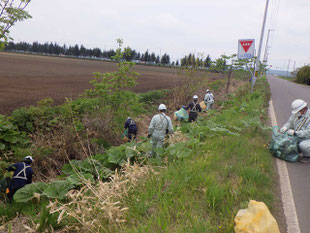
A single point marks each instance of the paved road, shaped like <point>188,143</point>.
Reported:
<point>283,93</point>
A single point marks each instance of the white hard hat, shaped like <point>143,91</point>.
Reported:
<point>207,90</point>
<point>195,97</point>
<point>28,158</point>
<point>162,107</point>
<point>298,105</point>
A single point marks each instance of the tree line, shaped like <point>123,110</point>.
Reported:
<point>80,51</point>
<point>130,54</point>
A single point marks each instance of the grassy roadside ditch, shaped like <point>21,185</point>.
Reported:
<point>68,144</point>
<point>228,163</point>
<point>210,170</point>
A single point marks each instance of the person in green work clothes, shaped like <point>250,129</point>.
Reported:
<point>299,125</point>
<point>159,127</point>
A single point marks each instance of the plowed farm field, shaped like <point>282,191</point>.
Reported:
<point>26,79</point>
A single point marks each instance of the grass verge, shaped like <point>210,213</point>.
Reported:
<point>228,164</point>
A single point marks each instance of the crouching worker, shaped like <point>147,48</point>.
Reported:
<point>160,126</point>
<point>132,129</point>
<point>22,176</point>
<point>299,124</point>
<point>194,108</point>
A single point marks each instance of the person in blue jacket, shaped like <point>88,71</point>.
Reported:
<point>131,125</point>
<point>22,176</point>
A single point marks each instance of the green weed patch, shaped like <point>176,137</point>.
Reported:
<point>209,170</point>
<point>227,165</point>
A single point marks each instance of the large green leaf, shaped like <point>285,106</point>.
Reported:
<point>116,155</point>
<point>10,138</point>
<point>68,168</point>
<point>78,179</point>
<point>58,189</point>
<point>27,192</point>
<point>179,150</point>
<point>2,146</point>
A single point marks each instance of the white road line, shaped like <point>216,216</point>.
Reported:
<point>286,189</point>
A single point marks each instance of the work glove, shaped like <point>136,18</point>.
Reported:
<point>291,132</point>
<point>283,129</point>
<point>149,135</point>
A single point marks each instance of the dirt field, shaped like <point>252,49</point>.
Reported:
<point>26,79</point>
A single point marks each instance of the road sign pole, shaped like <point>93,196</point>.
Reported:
<point>260,47</point>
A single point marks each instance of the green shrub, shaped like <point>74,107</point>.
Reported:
<point>303,75</point>
<point>42,117</point>
<point>153,97</point>
<point>11,138</point>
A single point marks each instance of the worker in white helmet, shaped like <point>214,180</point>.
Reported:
<point>299,124</point>
<point>160,126</point>
<point>209,99</point>
<point>194,108</point>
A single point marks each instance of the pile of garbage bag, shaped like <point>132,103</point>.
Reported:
<point>284,146</point>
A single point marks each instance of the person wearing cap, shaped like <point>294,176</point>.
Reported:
<point>159,127</point>
<point>22,176</point>
<point>298,124</point>
<point>131,125</point>
<point>209,99</point>
<point>194,108</point>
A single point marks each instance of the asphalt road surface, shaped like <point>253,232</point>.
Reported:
<point>283,93</point>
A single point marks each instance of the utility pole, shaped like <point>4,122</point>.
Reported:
<point>288,67</point>
<point>260,47</point>
<point>265,59</point>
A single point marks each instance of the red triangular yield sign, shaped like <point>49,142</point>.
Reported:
<point>246,44</point>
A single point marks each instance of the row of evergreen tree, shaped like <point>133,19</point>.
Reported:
<point>129,55</point>
<point>81,51</point>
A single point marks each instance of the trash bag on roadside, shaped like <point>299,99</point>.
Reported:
<point>255,219</point>
<point>181,115</point>
<point>284,146</point>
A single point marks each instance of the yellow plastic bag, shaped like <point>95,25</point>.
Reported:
<point>203,105</point>
<point>255,219</point>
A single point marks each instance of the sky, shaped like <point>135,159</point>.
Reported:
<point>175,27</point>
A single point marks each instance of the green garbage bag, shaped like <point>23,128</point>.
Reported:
<point>284,146</point>
<point>181,115</point>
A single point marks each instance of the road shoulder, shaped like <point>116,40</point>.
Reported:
<point>288,204</point>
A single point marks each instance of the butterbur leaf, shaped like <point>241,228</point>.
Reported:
<point>58,189</point>
<point>78,179</point>
<point>2,146</point>
<point>105,173</point>
<point>116,155</point>
<point>131,152</point>
<point>67,168</point>
<point>27,192</point>
<point>179,151</point>
<point>10,138</point>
